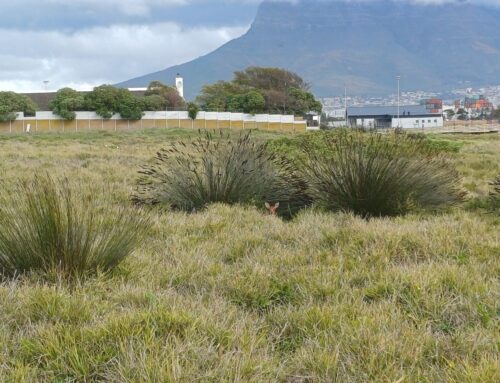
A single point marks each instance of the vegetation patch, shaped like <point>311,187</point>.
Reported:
<point>376,175</point>
<point>216,168</point>
<point>48,227</point>
<point>231,295</point>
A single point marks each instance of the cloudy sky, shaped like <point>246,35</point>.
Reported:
<point>83,43</point>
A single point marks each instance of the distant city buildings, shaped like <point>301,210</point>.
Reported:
<point>460,104</point>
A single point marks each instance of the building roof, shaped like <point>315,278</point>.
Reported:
<point>389,111</point>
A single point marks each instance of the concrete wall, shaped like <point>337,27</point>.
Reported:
<point>48,122</point>
<point>418,122</point>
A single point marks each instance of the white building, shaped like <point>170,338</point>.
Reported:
<point>179,84</point>
<point>385,117</point>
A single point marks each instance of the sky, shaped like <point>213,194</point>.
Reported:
<point>85,43</point>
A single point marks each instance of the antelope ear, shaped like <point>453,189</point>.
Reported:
<point>277,205</point>
<point>268,206</point>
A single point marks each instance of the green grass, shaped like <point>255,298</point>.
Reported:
<point>232,295</point>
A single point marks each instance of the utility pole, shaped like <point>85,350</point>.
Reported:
<point>399,99</point>
<point>285,99</point>
<point>345,104</point>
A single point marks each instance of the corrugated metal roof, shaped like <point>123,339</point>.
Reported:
<point>404,110</point>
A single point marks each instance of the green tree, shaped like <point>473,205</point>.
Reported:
<point>219,96</point>
<point>107,100</point>
<point>169,95</point>
<point>251,102</point>
<point>193,110</point>
<point>129,106</point>
<point>260,90</point>
<point>269,79</point>
<point>66,102</point>
<point>254,102</point>
<point>104,100</point>
<point>154,103</point>
<point>302,101</point>
<point>12,103</point>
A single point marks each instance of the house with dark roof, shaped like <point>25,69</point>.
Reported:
<point>386,117</point>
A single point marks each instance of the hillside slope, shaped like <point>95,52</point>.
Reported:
<point>361,44</point>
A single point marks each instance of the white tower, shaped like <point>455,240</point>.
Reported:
<point>179,84</point>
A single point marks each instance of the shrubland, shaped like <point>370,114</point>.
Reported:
<point>231,294</point>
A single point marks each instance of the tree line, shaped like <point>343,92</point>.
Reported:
<point>254,90</point>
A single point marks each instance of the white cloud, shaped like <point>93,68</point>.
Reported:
<point>100,55</point>
<point>127,7</point>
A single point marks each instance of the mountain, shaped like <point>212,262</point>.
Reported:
<point>359,44</point>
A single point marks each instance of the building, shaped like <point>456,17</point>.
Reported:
<point>313,120</point>
<point>478,106</point>
<point>179,85</point>
<point>477,103</point>
<point>434,105</point>
<point>386,117</point>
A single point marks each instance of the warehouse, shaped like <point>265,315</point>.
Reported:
<point>385,117</point>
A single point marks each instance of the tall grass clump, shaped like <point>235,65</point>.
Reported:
<point>374,175</point>
<point>46,226</point>
<point>495,194</point>
<point>220,168</point>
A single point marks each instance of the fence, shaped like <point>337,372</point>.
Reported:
<point>84,121</point>
<point>470,123</point>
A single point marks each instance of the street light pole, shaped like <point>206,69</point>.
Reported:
<point>399,117</point>
<point>345,104</point>
<point>284,101</point>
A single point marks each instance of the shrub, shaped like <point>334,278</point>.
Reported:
<point>66,102</point>
<point>11,103</point>
<point>373,175</point>
<point>47,227</point>
<point>220,168</point>
<point>495,195</point>
<point>193,110</point>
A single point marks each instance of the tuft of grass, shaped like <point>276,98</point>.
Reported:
<point>218,168</point>
<point>48,227</point>
<point>375,175</point>
<point>495,193</point>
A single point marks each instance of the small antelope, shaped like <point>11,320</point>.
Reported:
<point>272,209</point>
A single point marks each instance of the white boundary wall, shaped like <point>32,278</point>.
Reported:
<point>181,115</point>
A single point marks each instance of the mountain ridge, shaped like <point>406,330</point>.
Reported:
<point>361,45</point>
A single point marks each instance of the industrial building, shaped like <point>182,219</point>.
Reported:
<point>386,117</point>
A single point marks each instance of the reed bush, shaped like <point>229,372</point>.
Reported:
<point>495,194</point>
<point>218,168</point>
<point>47,226</point>
<point>374,175</point>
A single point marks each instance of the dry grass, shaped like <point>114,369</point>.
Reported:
<point>232,295</point>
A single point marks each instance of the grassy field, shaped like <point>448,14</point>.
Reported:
<point>233,295</point>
